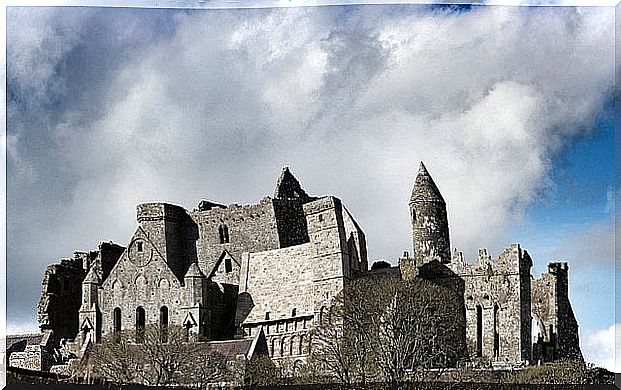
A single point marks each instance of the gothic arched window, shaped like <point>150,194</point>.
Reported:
<point>116,322</point>
<point>164,324</point>
<point>140,324</point>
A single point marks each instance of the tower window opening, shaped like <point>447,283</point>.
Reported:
<point>267,315</point>
<point>293,312</point>
<point>139,246</point>
<point>228,266</point>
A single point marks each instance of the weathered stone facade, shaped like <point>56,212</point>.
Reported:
<point>500,296</point>
<point>272,268</point>
<point>557,328</point>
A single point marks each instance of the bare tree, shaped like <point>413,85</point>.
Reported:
<point>389,330</point>
<point>208,369</point>
<point>419,326</point>
<point>163,352</point>
<point>342,342</point>
<point>113,359</point>
<point>260,371</point>
<point>162,356</point>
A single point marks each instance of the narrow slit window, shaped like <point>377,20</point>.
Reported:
<point>139,245</point>
<point>223,231</point>
<point>479,331</point>
<point>496,334</point>
<point>163,324</point>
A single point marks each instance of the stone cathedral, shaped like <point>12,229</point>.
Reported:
<point>269,270</point>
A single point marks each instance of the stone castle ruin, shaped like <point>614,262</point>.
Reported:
<point>269,270</point>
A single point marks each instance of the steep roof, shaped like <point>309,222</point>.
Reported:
<point>425,189</point>
<point>92,276</point>
<point>288,187</point>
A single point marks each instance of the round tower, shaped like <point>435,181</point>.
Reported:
<point>430,231</point>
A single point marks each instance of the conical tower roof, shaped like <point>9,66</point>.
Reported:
<point>425,189</point>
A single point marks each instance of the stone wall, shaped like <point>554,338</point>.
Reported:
<point>285,290</point>
<point>496,305</point>
<point>278,282</point>
<point>142,279</point>
<point>173,232</point>
<point>61,297</point>
<point>557,326</point>
<point>36,354</point>
<point>250,228</point>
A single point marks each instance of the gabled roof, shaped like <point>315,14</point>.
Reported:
<point>425,189</point>
<point>92,276</point>
<point>288,187</point>
<point>193,272</point>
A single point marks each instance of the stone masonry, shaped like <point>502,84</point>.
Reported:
<point>272,268</point>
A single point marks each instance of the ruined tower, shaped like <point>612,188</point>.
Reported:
<point>557,328</point>
<point>429,221</point>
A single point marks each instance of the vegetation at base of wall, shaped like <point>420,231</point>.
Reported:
<point>561,372</point>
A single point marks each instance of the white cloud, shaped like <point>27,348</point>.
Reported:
<point>351,99</point>
<point>598,347</point>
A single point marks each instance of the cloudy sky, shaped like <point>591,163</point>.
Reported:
<point>509,107</point>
